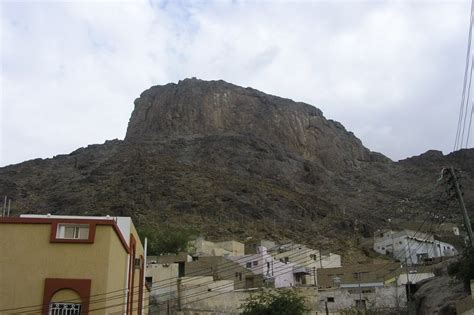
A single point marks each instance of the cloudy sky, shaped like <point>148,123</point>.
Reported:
<point>390,71</point>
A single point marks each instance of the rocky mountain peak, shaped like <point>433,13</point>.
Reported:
<point>197,108</point>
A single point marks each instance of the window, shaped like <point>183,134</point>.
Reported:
<point>330,299</point>
<point>149,281</point>
<point>255,263</point>
<point>248,265</point>
<point>64,309</point>
<point>73,231</point>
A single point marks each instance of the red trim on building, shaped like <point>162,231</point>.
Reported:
<point>81,286</point>
<point>140,290</point>
<point>54,221</point>
<point>131,274</point>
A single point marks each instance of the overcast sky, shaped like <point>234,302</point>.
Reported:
<point>391,71</point>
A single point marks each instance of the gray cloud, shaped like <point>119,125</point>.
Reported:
<point>391,72</point>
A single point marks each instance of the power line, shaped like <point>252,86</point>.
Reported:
<point>231,264</point>
<point>459,140</point>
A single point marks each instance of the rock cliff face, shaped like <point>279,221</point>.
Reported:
<point>235,162</point>
<point>201,108</point>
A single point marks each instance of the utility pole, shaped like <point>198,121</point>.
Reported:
<point>408,289</point>
<point>4,207</point>
<point>360,290</point>
<point>315,278</point>
<point>467,222</point>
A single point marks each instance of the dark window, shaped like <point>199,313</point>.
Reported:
<point>181,271</point>
<point>330,299</point>
<point>149,280</point>
<point>255,263</point>
<point>248,265</point>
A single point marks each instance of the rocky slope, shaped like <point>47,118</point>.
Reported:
<point>235,161</point>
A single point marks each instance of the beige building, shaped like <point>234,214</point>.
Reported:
<point>201,247</point>
<point>163,281</point>
<point>71,265</point>
<point>221,268</point>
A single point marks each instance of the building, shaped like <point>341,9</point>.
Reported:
<point>71,265</point>
<point>373,298</point>
<point>308,259</point>
<point>163,281</point>
<point>410,246</point>
<point>251,245</point>
<point>362,286</point>
<point>280,274</point>
<point>201,247</point>
<point>222,268</point>
<point>360,273</point>
<point>181,259</point>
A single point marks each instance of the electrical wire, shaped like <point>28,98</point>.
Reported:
<point>458,141</point>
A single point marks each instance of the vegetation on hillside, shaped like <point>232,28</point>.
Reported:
<point>166,240</point>
<point>282,302</point>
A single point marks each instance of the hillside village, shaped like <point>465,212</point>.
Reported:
<point>291,204</point>
<point>99,265</point>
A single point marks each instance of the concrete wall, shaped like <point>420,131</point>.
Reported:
<point>221,268</point>
<point>331,260</point>
<point>350,274</point>
<point>233,247</point>
<point>344,299</point>
<point>204,300</point>
<point>164,280</point>
<point>201,247</point>
<point>414,277</point>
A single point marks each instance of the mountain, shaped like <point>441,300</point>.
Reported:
<point>233,161</point>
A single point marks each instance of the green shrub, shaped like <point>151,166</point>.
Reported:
<point>166,240</point>
<point>282,302</point>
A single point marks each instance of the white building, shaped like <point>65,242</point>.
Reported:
<point>413,247</point>
<point>309,259</point>
<point>262,263</point>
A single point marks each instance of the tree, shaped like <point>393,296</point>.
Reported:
<point>166,240</point>
<point>281,302</point>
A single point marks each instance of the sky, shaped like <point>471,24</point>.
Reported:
<point>389,71</point>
